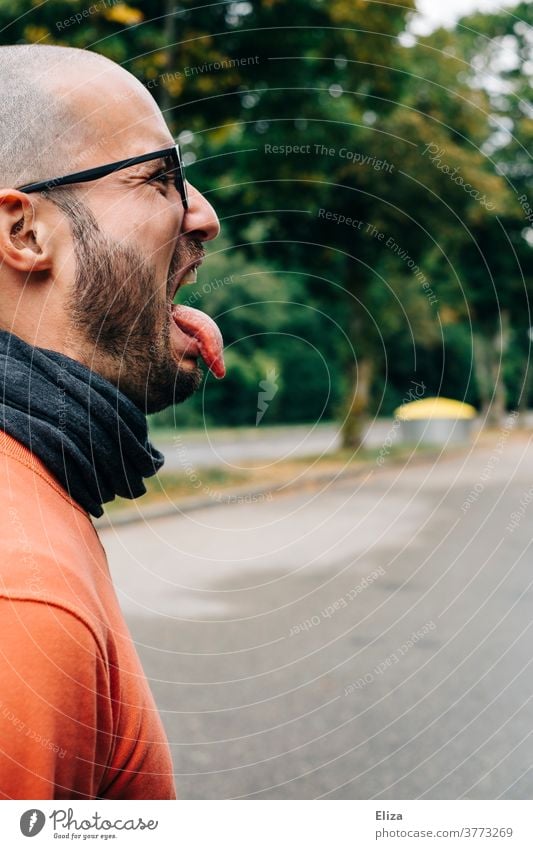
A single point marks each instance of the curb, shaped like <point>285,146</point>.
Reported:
<point>243,495</point>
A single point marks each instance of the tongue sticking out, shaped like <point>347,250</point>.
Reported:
<point>203,329</point>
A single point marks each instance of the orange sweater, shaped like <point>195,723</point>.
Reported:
<point>77,718</point>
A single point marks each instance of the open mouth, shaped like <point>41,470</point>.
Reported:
<point>193,333</point>
<point>188,275</point>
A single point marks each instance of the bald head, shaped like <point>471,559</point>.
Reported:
<point>54,110</point>
<point>91,269</point>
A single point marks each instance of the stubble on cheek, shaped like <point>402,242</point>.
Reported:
<point>125,322</point>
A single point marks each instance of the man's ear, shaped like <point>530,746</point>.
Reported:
<point>21,244</point>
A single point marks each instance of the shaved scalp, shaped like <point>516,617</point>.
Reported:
<point>42,131</point>
<point>64,110</point>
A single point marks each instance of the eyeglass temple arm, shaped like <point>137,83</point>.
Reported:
<point>95,173</point>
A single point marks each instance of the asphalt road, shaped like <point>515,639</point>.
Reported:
<point>225,448</point>
<point>371,640</point>
<point>215,448</point>
<point>253,446</point>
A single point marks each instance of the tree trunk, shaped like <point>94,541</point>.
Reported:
<point>525,389</point>
<point>356,404</point>
<point>482,372</point>
<point>489,367</point>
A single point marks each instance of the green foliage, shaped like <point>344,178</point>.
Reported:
<point>427,146</point>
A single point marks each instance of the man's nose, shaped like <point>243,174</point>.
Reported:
<point>200,219</point>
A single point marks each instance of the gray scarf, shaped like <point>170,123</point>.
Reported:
<point>90,435</point>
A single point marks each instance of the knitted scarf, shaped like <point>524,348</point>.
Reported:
<point>90,435</point>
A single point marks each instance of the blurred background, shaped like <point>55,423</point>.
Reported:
<point>420,132</point>
<point>328,605</point>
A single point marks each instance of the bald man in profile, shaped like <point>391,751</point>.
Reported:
<point>98,230</point>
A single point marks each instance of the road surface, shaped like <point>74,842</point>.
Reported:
<point>215,448</point>
<point>226,448</point>
<point>373,639</point>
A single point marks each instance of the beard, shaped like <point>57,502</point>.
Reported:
<point>116,311</point>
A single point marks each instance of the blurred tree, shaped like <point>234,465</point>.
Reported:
<point>302,161</point>
<point>499,50</point>
<point>375,172</point>
<point>372,188</point>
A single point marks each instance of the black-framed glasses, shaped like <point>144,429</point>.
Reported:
<point>172,154</point>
